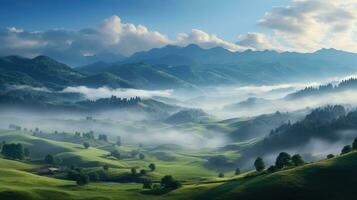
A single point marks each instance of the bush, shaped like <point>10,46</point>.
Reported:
<point>143,172</point>
<point>329,156</point>
<point>272,169</point>
<point>259,164</point>
<point>147,184</point>
<point>106,167</point>
<point>346,149</point>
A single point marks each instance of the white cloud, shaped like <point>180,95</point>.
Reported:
<point>308,25</point>
<point>112,35</point>
<point>105,92</point>
<point>205,40</point>
<point>258,41</point>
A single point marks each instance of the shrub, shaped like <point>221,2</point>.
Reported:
<point>346,149</point>
<point>329,156</point>
<point>272,169</point>
<point>147,184</point>
<point>143,172</point>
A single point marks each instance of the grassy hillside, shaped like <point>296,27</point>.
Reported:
<point>329,179</point>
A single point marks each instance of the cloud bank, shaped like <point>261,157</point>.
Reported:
<point>105,92</point>
<point>303,25</point>
<point>308,25</point>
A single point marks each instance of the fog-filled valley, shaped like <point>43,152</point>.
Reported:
<point>172,113</point>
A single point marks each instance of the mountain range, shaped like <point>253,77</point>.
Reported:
<point>174,67</point>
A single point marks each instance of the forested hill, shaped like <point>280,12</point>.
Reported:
<point>330,124</point>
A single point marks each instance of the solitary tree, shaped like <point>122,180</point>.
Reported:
<point>221,175</point>
<point>297,160</point>
<point>329,156</point>
<point>152,167</point>
<point>106,167</point>
<point>346,149</point>
<point>284,159</point>
<point>259,164</point>
<point>86,145</point>
<point>237,172</point>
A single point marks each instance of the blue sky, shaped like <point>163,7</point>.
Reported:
<point>72,30</point>
<point>227,18</point>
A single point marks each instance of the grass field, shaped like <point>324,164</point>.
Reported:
<point>332,179</point>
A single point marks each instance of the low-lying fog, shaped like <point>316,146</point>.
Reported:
<point>134,128</point>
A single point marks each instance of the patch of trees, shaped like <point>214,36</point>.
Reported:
<point>14,151</point>
<point>322,123</point>
<point>15,127</point>
<point>350,84</point>
<point>284,160</point>
<point>167,183</point>
<point>110,102</point>
<point>83,177</point>
<point>52,160</point>
<point>103,137</point>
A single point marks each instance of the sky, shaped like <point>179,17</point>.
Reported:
<point>71,30</point>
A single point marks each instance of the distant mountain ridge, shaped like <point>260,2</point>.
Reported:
<point>202,67</point>
<point>174,67</point>
<point>43,71</point>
